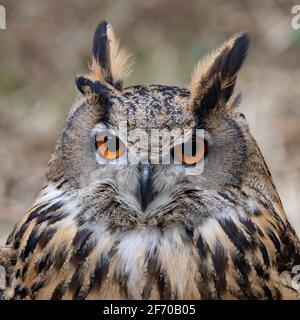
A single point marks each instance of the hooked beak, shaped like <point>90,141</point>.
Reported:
<point>145,185</point>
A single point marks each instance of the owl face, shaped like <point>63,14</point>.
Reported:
<point>142,152</point>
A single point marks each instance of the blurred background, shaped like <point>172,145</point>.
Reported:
<point>47,43</point>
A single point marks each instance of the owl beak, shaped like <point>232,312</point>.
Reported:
<point>145,183</point>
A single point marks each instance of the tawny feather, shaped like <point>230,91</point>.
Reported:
<point>205,64</point>
<point>120,61</point>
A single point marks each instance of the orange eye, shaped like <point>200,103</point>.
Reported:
<point>109,146</point>
<point>191,152</point>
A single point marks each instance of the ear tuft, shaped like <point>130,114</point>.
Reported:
<point>101,48</point>
<point>236,55</point>
<point>110,63</point>
<point>84,85</point>
<point>121,58</point>
<point>95,88</point>
<point>214,78</point>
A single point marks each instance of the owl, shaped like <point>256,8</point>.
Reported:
<point>154,192</point>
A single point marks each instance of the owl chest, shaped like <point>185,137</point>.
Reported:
<point>142,263</point>
<point>101,264</point>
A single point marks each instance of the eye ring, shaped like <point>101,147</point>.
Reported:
<point>191,152</point>
<point>109,146</point>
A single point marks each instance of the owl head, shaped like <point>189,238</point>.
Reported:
<point>157,154</point>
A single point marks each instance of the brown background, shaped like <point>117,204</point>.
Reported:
<point>48,42</point>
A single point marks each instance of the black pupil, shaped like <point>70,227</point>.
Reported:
<point>112,143</point>
<point>190,148</point>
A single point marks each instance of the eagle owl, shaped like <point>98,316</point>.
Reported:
<point>110,223</point>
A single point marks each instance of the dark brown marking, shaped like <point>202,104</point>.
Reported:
<point>220,262</point>
<point>264,253</point>
<point>153,269</point>
<point>46,236</point>
<point>59,291</point>
<point>100,271</point>
<point>243,268</point>
<point>275,240</point>
<point>30,244</point>
<point>60,257</point>
<point>163,286</point>
<point>83,244</point>
<point>202,247</point>
<point>234,234</point>
<point>77,280</point>
<point>44,263</point>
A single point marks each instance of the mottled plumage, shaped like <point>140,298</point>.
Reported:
<point>222,234</point>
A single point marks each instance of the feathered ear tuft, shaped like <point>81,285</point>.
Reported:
<point>214,78</point>
<point>110,63</point>
<point>88,87</point>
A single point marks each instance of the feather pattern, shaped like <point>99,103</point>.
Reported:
<point>235,254</point>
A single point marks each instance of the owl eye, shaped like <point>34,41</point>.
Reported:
<point>109,146</point>
<point>191,152</point>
